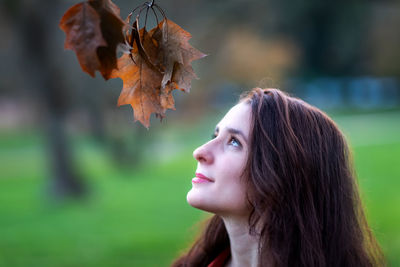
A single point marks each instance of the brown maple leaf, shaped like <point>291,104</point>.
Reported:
<point>81,23</point>
<point>111,28</point>
<point>159,62</point>
<point>142,82</point>
<point>137,38</point>
<point>106,5</point>
<point>153,64</point>
<point>93,30</point>
<point>176,54</point>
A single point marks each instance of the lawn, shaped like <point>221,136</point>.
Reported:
<point>139,216</point>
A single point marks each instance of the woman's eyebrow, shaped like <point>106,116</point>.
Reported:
<point>233,131</point>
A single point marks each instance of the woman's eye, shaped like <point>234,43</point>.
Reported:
<point>233,141</point>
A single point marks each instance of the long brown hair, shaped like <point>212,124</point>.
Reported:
<point>305,205</point>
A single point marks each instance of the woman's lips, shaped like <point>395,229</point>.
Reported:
<point>200,178</point>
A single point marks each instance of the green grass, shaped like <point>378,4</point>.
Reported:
<point>131,218</point>
<point>379,174</point>
<point>139,217</point>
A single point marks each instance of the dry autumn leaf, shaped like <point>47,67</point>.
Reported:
<point>153,64</point>
<point>160,62</point>
<point>141,82</point>
<point>81,23</point>
<point>176,54</point>
<point>93,30</point>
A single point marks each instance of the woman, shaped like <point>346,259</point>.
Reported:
<point>278,177</point>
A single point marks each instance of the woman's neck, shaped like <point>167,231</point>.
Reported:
<point>244,247</point>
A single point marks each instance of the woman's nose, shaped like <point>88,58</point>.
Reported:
<point>203,154</point>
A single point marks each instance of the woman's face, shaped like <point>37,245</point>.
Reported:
<point>218,186</point>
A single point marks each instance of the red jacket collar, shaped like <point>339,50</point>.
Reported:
<point>221,259</point>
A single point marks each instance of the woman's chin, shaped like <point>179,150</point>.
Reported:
<point>197,200</point>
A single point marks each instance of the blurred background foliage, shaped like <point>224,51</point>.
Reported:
<point>81,184</point>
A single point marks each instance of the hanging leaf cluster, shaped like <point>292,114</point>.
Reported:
<point>154,62</point>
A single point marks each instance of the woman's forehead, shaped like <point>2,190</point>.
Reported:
<point>238,117</point>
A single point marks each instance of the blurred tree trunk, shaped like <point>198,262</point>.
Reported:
<point>36,36</point>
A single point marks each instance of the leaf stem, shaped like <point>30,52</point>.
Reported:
<point>145,21</point>
<point>150,4</point>
<point>161,11</point>
<point>155,15</point>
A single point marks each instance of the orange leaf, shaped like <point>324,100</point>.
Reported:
<point>141,82</point>
<point>153,64</point>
